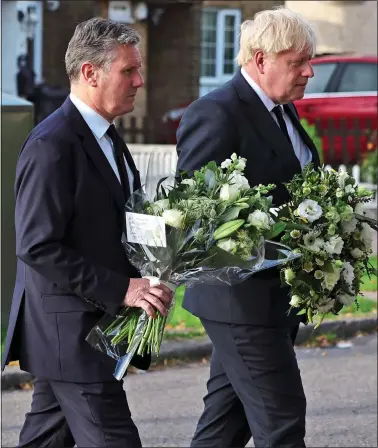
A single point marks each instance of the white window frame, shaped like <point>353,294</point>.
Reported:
<point>220,77</point>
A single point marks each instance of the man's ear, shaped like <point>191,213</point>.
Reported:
<point>259,58</point>
<point>89,74</point>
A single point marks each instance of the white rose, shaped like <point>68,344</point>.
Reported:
<point>357,253</point>
<point>239,181</point>
<point>240,165</point>
<point>334,245</point>
<point>366,236</point>
<point>259,219</point>
<point>330,279</point>
<point>226,164</point>
<point>295,301</point>
<point>345,299</point>
<point>160,205</point>
<point>309,210</point>
<point>327,306</point>
<point>229,245</point>
<point>173,218</point>
<point>189,182</point>
<point>312,242</point>
<point>343,175</point>
<point>349,226</point>
<point>228,192</point>
<point>359,208</point>
<point>348,273</point>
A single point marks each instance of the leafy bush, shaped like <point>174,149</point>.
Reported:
<point>369,167</point>
<point>313,133</point>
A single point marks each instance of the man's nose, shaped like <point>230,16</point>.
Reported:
<point>308,72</point>
<point>138,81</point>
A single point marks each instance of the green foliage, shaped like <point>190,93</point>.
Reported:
<point>313,133</point>
<point>369,167</point>
<point>370,284</point>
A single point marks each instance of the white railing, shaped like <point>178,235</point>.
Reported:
<point>161,160</point>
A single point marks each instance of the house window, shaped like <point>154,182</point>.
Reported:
<point>219,47</point>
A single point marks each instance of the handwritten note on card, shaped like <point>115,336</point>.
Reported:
<point>145,229</point>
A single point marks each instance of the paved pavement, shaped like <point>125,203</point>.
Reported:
<point>341,387</point>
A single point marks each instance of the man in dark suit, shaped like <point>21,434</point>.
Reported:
<point>74,175</point>
<point>255,385</point>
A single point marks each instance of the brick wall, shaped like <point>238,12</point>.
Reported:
<point>173,57</point>
<point>58,28</point>
<point>248,8</point>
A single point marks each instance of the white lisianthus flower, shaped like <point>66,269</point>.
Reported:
<point>226,164</point>
<point>239,180</point>
<point>318,274</point>
<point>349,189</point>
<point>349,226</point>
<point>159,206</point>
<point>259,219</point>
<point>228,192</point>
<point>173,218</point>
<point>357,253</point>
<point>189,182</point>
<point>234,157</point>
<point>308,267</point>
<point>347,213</point>
<point>348,273</point>
<point>227,244</point>
<point>330,279</point>
<point>295,301</point>
<point>295,234</point>
<point>326,307</point>
<point>309,210</point>
<point>345,299</point>
<point>366,236</point>
<point>241,164</point>
<point>342,177</point>
<point>289,276</point>
<point>312,242</point>
<point>334,245</point>
<point>359,208</point>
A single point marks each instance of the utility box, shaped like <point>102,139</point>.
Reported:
<point>17,121</point>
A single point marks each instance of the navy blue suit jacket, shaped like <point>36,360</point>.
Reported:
<point>72,268</point>
<point>232,119</point>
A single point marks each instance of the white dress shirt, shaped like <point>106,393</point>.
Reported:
<point>99,125</point>
<point>300,148</point>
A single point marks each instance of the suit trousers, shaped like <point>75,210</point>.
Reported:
<point>92,415</point>
<point>254,389</point>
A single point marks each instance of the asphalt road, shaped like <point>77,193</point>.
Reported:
<point>341,387</point>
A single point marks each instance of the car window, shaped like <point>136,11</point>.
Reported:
<point>322,75</point>
<point>359,78</point>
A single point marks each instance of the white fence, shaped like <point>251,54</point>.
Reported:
<point>160,161</point>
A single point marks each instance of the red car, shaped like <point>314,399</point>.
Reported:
<point>341,99</point>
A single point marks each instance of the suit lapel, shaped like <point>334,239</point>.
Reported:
<point>94,152</point>
<point>263,122</point>
<point>290,110</point>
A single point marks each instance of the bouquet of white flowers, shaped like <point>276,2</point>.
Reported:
<point>325,223</point>
<point>211,228</point>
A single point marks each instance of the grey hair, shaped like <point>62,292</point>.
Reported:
<point>95,41</point>
<point>273,31</point>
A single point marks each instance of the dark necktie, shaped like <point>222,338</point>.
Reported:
<point>278,113</point>
<point>118,152</point>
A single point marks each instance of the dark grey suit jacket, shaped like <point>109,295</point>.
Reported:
<point>232,119</point>
<point>71,264</point>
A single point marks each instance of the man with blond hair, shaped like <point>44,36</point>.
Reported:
<point>255,385</point>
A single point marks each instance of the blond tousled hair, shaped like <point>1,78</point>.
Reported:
<point>273,31</point>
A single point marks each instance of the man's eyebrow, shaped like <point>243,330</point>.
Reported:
<point>131,66</point>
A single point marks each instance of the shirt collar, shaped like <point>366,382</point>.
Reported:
<point>268,103</point>
<point>96,123</point>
